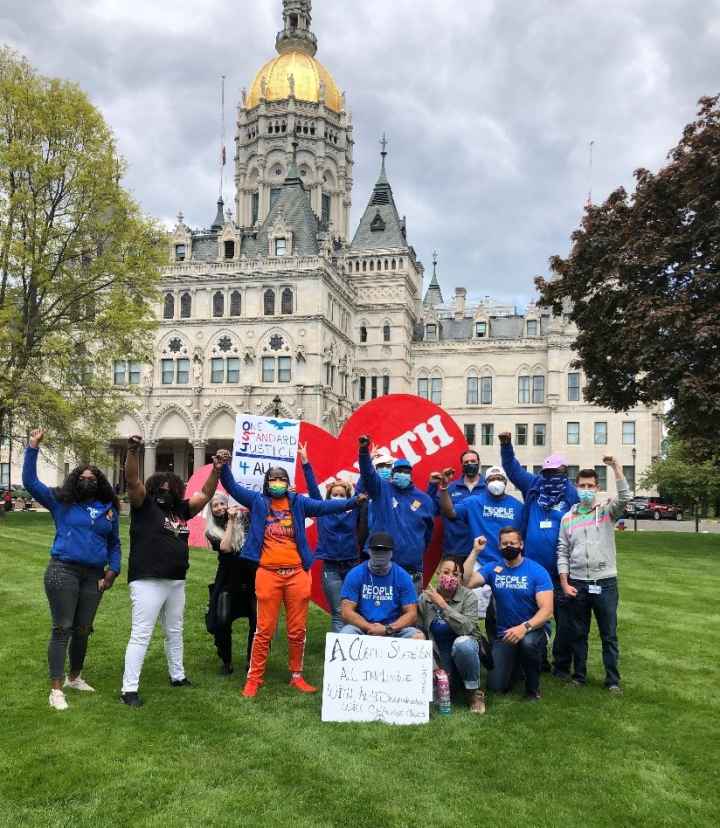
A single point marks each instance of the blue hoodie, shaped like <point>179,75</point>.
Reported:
<point>457,536</point>
<point>337,534</point>
<point>300,506</point>
<point>85,533</point>
<point>407,515</point>
<point>540,527</point>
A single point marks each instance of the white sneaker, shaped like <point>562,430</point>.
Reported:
<point>57,700</point>
<point>78,683</point>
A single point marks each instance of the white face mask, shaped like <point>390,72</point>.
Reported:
<point>497,487</point>
<point>337,497</point>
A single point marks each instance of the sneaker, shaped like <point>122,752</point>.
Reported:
<point>251,688</point>
<point>300,684</point>
<point>227,669</point>
<point>131,699</point>
<point>577,683</point>
<point>532,697</point>
<point>561,674</point>
<point>185,682</point>
<point>78,683</point>
<point>476,701</point>
<point>57,700</point>
<point>615,689</point>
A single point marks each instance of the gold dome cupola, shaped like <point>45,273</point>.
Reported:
<point>296,36</point>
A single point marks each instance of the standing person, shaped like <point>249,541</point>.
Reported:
<point>523,595</point>
<point>84,562</point>
<point>276,540</point>
<point>337,538</point>
<point>449,617</point>
<point>457,538</point>
<point>378,596</point>
<point>158,565</point>
<point>548,496</point>
<point>399,508</point>
<point>587,565</point>
<point>233,592</point>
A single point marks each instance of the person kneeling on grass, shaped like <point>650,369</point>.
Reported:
<point>449,617</point>
<point>523,593</point>
<point>276,540</point>
<point>84,562</point>
<point>378,597</point>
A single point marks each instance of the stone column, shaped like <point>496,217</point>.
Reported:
<point>179,461</point>
<point>149,459</point>
<point>199,450</point>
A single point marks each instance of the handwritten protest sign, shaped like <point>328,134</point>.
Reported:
<point>262,442</point>
<point>371,678</point>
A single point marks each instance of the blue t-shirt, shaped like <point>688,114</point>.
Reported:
<point>486,515</point>
<point>379,598</point>
<point>514,589</point>
<point>541,538</point>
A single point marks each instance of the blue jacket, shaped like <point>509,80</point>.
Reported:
<point>408,515</point>
<point>540,527</point>
<point>457,537</point>
<point>85,533</point>
<point>337,534</point>
<point>300,506</point>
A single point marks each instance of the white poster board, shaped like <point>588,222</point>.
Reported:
<point>261,443</point>
<point>371,678</point>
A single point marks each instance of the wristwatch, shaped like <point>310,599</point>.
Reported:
<point>528,626</point>
<point>389,630</point>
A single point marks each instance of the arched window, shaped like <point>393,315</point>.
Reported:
<point>357,267</point>
<point>185,306</point>
<point>219,304</point>
<point>394,264</point>
<point>400,264</point>
<point>363,333</point>
<point>379,265</point>
<point>169,306</point>
<point>269,302</point>
<point>372,264</point>
<point>364,267</point>
<point>386,332</point>
<point>387,265</point>
<point>235,303</point>
<point>286,301</point>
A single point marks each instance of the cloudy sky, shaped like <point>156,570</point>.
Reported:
<point>489,104</point>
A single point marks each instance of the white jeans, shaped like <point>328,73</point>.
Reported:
<point>151,598</point>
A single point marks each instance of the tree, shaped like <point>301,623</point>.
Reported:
<point>679,476</point>
<point>79,264</point>
<point>642,284</point>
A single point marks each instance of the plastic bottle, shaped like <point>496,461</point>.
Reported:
<point>442,683</point>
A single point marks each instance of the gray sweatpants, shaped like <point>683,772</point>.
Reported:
<point>73,594</point>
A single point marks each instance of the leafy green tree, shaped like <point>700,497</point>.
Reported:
<point>79,263</point>
<point>679,476</point>
<point>642,284</point>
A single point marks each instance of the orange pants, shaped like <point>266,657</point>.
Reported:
<point>273,589</point>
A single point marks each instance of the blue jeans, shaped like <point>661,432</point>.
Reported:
<point>334,573</point>
<point>405,632</point>
<point>528,654</point>
<point>461,657</point>
<point>604,608</point>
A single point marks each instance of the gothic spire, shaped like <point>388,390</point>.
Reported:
<point>433,295</point>
<point>297,35</point>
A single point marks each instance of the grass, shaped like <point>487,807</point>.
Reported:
<point>204,756</point>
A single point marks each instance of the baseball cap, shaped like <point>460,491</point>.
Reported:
<point>402,463</point>
<point>383,458</point>
<point>380,540</point>
<point>495,471</point>
<point>554,461</point>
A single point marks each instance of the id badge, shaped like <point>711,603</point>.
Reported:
<point>595,589</point>
<point>546,524</point>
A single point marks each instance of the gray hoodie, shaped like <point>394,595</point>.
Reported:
<point>586,544</point>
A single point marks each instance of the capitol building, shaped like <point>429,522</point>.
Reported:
<point>281,307</point>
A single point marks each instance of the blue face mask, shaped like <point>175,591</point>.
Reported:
<point>586,496</point>
<point>402,479</point>
<point>384,473</point>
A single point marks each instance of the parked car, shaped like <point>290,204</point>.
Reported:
<point>653,508</point>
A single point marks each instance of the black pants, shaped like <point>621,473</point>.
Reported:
<point>604,608</point>
<point>562,642</point>
<point>73,594</point>
<point>230,607</point>
<point>508,658</point>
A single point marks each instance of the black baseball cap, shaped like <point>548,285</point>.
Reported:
<point>380,540</point>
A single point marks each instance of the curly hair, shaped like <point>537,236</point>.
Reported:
<point>69,492</point>
<point>176,485</point>
<point>338,484</point>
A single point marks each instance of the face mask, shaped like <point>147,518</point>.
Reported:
<point>471,469</point>
<point>222,519</point>
<point>277,489</point>
<point>587,496</point>
<point>87,488</point>
<point>402,479</point>
<point>496,487</point>
<point>510,552</point>
<point>449,584</point>
<point>384,473</point>
<point>337,497</point>
<point>379,562</point>
<point>164,500</point>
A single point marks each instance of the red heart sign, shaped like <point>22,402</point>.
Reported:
<point>406,425</point>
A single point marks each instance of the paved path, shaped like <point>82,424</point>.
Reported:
<point>672,525</point>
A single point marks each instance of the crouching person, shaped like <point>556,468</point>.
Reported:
<point>523,593</point>
<point>449,617</point>
<point>378,597</point>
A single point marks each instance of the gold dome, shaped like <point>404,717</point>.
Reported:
<point>308,74</point>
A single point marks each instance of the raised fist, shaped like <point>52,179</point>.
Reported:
<point>361,498</point>
<point>436,478</point>
<point>609,460</point>
<point>363,441</point>
<point>36,437</point>
<point>221,458</point>
<point>480,543</point>
<point>505,438</point>
<point>448,475</point>
<point>134,443</point>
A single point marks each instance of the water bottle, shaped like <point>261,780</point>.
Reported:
<point>442,683</point>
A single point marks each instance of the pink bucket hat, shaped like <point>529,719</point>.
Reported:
<point>555,461</point>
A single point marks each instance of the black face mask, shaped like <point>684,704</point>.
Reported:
<point>87,489</point>
<point>164,500</point>
<point>471,469</point>
<point>510,552</point>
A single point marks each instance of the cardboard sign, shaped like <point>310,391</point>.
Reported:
<point>262,443</point>
<point>375,679</point>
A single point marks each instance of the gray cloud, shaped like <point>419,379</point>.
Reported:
<point>489,105</point>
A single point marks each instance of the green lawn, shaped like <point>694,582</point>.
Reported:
<point>204,756</point>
